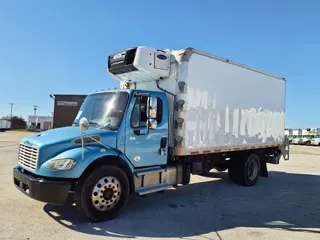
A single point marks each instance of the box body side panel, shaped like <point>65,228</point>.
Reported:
<point>228,106</point>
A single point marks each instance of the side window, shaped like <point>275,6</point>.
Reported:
<point>139,112</point>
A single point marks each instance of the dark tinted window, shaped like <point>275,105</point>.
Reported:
<point>139,113</point>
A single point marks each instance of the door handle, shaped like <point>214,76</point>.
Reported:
<point>163,144</point>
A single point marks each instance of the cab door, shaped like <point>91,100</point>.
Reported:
<point>145,146</point>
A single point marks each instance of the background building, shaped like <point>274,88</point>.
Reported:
<point>66,108</point>
<point>42,122</point>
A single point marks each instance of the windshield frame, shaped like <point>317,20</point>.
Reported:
<point>77,119</point>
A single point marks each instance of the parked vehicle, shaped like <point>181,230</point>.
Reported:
<point>176,113</point>
<point>315,141</point>
<point>302,140</point>
<point>5,125</point>
<point>296,140</point>
<point>306,140</point>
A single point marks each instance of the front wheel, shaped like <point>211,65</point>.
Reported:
<point>103,193</point>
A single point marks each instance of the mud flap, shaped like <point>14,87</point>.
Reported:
<point>263,168</point>
<point>285,149</point>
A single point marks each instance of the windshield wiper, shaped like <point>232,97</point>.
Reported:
<point>96,124</point>
<point>110,127</point>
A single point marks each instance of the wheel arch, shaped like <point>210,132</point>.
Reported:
<point>111,160</point>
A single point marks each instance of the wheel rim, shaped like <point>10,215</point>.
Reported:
<point>252,170</point>
<point>106,193</point>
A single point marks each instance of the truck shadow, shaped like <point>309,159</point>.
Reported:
<point>282,201</point>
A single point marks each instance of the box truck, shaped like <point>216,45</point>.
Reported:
<point>5,125</point>
<point>176,113</point>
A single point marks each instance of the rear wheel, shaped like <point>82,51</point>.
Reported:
<point>245,171</point>
<point>103,194</point>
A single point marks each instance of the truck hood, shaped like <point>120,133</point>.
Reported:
<point>64,134</point>
<point>53,142</point>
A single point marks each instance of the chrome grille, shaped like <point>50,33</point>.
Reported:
<point>28,156</point>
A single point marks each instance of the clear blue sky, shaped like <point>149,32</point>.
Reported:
<point>62,46</point>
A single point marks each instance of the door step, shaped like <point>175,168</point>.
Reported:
<point>153,188</point>
<point>145,171</point>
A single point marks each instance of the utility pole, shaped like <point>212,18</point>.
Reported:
<point>11,110</point>
<point>35,107</point>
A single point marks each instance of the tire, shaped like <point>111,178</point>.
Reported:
<point>245,171</point>
<point>103,194</point>
<point>308,143</point>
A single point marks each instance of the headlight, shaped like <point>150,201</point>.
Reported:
<point>61,164</point>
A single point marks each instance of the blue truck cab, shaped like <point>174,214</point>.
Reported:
<point>120,138</point>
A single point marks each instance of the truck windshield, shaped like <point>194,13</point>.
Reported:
<point>103,110</point>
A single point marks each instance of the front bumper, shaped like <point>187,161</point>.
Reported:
<point>41,189</point>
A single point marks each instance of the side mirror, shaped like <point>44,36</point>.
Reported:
<point>152,108</point>
<point>152,123</point>
<point>84,124</point>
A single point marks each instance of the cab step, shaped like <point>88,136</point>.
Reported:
<point>153,188</point>
<point>145,171</point>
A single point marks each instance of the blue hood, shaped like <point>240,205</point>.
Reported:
<point>62,134</point>
<point>55,141</point>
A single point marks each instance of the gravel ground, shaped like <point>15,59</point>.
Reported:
<point>284,206</point>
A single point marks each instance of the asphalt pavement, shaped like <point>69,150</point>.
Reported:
<point>284,206</point>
